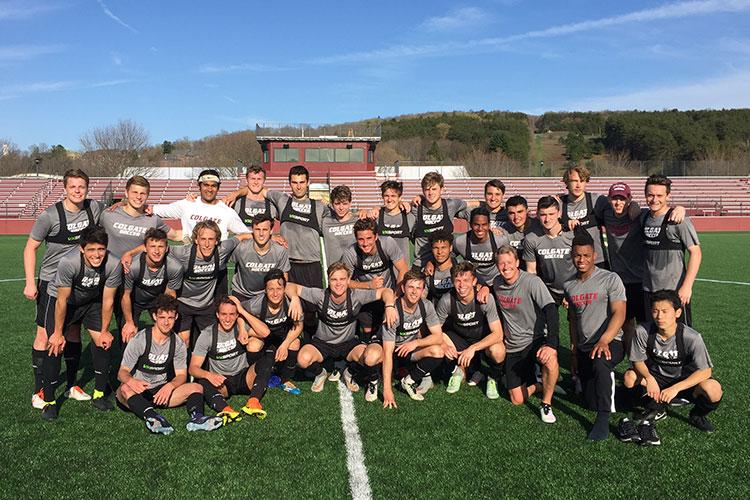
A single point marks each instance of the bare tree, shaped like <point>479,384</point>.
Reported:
<point>113,150</point>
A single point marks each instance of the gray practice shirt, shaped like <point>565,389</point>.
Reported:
<point>579,210</point>
<point>391,251</point>
<point>87,290</point>
<point>142,297</point>
<point>521,307</point>
<point>226,342</point>
<point>393,223</point>
<point>338,235</point>
<point>337,335</point>
<point>304,242</point>
<point>432,217</point>
<point>255,306</point>
<point>516,237</point>
<point>158,354</point>
<point>465,311</point>
<point>200,293</point>
<point>696,354</point>
<point>253,208</point>
<point>590,301</point>
<point>552,256</point>
<point>48,224</point>
<point>125,231</point>
<point>625,246</point>
<point>442,281</point>
<point>665,269</point>
<point>252,267</point>
<point>408,328</point>
<point>482,254</point>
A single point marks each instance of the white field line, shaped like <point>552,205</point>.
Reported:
<point>723,282</point>
<point>359,483</point>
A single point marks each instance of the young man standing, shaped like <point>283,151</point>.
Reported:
<point>60,227</point>
<point>82,293</point>
<point>229,371</point>
<point>336,336</point>
<point>470,328</point>
<point>144,374</point>
<point>338,225</point>
<point>479,245</point>
<point>494,191</point>
<point>670,361</point>
<point>439,273</point>
<point>596,298</point>
<point>414,342</point>
<point>531,327</point>
<point>153,273</point>
<point>666,243</point>
<point>393,220</point>
<point>255,201</point>
<point>255,257</point>
<point>519,224</point>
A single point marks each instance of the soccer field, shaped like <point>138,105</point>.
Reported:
<point>449,446</point>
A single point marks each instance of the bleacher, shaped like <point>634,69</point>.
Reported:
<point>26,197</point>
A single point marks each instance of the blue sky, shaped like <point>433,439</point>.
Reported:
<point>191,69</point>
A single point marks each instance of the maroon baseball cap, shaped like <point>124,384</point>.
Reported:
<point>619,189</point>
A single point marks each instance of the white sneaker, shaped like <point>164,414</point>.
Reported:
<point>545,411</point>
<point>410,387</point>
<point>37,400</point>
<point>351,384</point>
<point>320,381</point>
<point>335,375</point>
<point>77,393</point>
<point>425,385</point>
<point>371,393</point>
<point>476,379</point>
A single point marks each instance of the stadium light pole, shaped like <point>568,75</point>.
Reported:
<point>37,161</point>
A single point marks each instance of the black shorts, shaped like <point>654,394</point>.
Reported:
<point>520,366</point>
<point>371,315</point>
<point>203,317</point>
<point>89,315</point>
<point>460,342</point>
<point>138,311</point>
<point>634,307</point>
<point>307,274</point>
<point>237,384</point>
<point>150,393</point>
<point>241,296</point>
<point>335,351</point>
<point>42,298</point>
<point>557,297</point>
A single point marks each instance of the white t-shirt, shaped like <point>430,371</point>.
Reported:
<point>191,213</point>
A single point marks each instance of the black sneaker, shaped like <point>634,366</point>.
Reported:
<point>627,432</point>
<point>102,404</point>
<point>647,432</point>
<point>702,423</point>
<point>49,412</point>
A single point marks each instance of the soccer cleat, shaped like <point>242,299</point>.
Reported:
<point>274,382</point>
<point>371,392</point>
<point>320,381</point>
<point>545,411</point>
<point>411,388</point>
<point>37,400</point>
<point>677,402</point>
<point>702,423</point>
<point>49,412</point>
<point>254,408</point>
<point>77,394</point>
<point>102,403</point>
<point>159,425</point>
<point>647,432</point>
<point>204,423</point>
<point>290,388</point>
<point>454,383</point>
<point>425,385</point>
<point>335,375</point>
<point>229,416</point>
<point>491,389</point>
<point>627,432</point>
<point>351,384</point>
<point>476,379</point>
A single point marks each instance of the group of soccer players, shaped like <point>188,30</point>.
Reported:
<point>482,307</point>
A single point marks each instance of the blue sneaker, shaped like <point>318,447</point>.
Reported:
<point>159,425</point>
<point>274,382</point>
<point>204,423</point>
<point>290,388</point>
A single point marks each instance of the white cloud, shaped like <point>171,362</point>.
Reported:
<point>112,16</point>
<point>10,53</point>
<point>730,91</point>
<point>250,67</point>
<point>24,10</point>
<point>456,19</point>
<point>233,101</point>
<point>669,11</point>
<point>116,59</point>
<point>15,90</point>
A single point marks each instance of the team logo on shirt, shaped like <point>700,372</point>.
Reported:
<point>276,321</point>
<point>158,359</point>
<point>652,231</point>
<point>553,253</point>
<point>585,299</point>
<point>409,326</point>
<point>342,230</point>
<point>333,314</point>
<point>77,227</point>
<point>203,268</point>
<point>578,214</point>
<point>129,229</point>
<point>90,281</point>
<point>304,208</point>
<point>509,301</point>
<point>199,218</point>
<point>222,347</point>
<point>372,265</point>
<point>481,256</point>
<point>260,267</point>
<point>152,281</point>
<point>444,283</point>
<point>433,219</point>
<point>670,354</point>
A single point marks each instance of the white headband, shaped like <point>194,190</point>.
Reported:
<point>209,178</point>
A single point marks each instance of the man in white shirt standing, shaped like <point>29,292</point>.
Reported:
<point>207,207</point>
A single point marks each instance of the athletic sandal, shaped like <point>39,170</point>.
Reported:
<point>254,408</point>
<point>37,400</point>
<point>290,388</point>
<point>545,411</point>
<point>77,394</point>
<point>491,389</point>
<point>320,381</point>
<point>351,384</point>
<point>204,423</point>
<point>454,383</point>
<point>159,425</point>
<point>411,388</point>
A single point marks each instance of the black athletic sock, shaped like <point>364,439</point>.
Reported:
<point>37,363</point>
<point>370,373</point>
<point>72,355</point>
<point>315,369</point>
<point>212,396</point>
<point>51,369</point>
<point>423,368</point>
<point>635,397</point>
<point>494,370</point>
<point>703,406</point>
<point>253,357</point>
<point>141,407</point>
<point>288,366</point>
<point>194,405</point>
<point>100,361</point>
<point>263,368</point>
<point>600,430</point>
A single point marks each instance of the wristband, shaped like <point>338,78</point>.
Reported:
<point>391,305</point>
